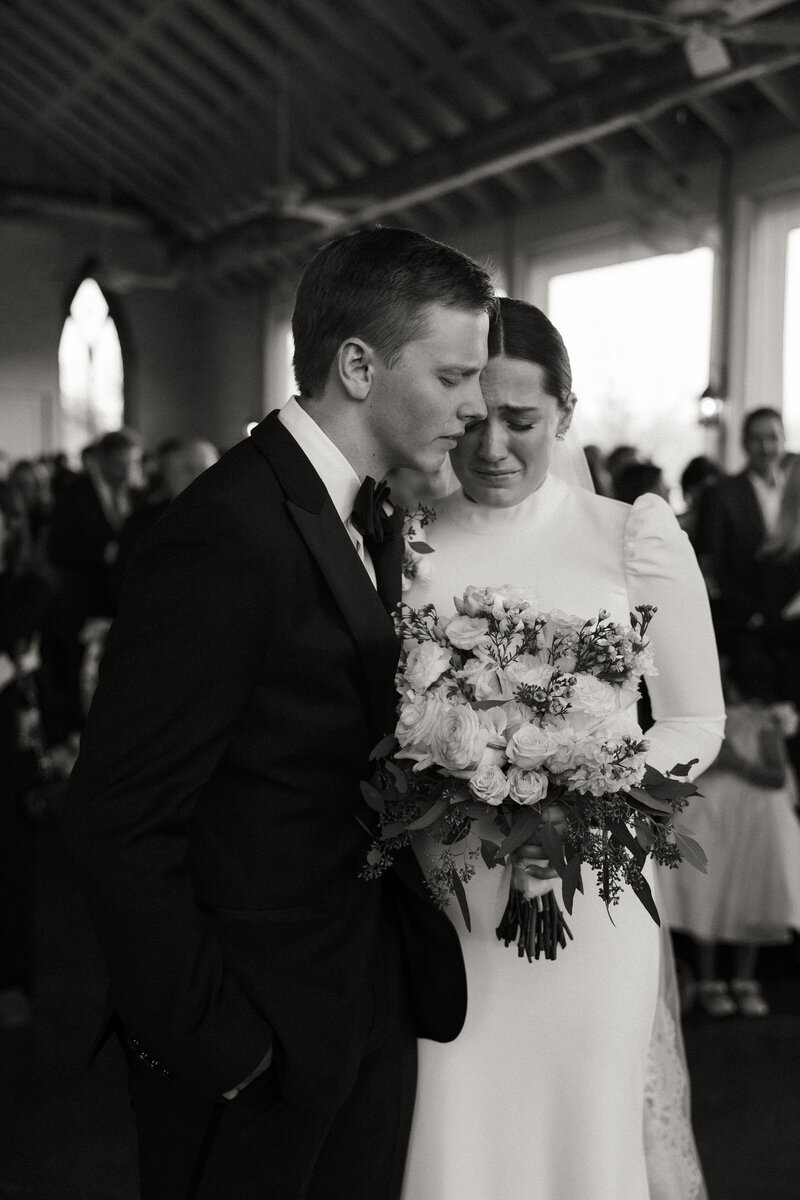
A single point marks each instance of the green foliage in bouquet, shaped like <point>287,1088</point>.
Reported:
<point>515,727</point>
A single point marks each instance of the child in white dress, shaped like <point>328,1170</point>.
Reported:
<point>745,820</point>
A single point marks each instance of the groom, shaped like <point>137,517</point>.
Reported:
<point>267,998</point>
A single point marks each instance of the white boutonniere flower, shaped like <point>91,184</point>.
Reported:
<point>416,562</point>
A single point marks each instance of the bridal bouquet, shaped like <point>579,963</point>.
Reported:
<point>515,726</point>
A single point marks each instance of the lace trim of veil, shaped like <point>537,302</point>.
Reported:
<point>673,1164</point>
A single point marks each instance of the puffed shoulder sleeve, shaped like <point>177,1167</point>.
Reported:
<point>686,694</point>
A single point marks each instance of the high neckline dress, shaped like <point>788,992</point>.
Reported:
<point>567,1082</point>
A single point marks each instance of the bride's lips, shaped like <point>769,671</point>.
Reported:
<point>494,478</point>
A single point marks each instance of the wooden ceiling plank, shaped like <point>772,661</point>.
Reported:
<point>67,30</point>
<point>76,90</point>
<point>251,74</point>
<point>663,136</point>
<point>409,26</point>
<point>378,54</point>
<point>144,149</point>
<point>85,147</point>
<point>320,66</point>
<point>478,158</point>
<point>782,95</point>
<point>714,116</point>
<point>323,121</point>
<point>514,77</point>
<point>250,86</point>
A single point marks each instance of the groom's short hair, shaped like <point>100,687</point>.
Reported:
<point>375,285</point>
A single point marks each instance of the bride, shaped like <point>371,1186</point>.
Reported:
<point>567,1082</point>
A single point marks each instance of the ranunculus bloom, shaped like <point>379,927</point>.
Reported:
<point>530,746</point>
<point>489,785</point>
<point>459,738</point>
<point>419,714</point>
<point>425,663</point>
<point>466,633</point>
<point>526,787</point>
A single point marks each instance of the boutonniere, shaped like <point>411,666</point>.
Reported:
<point>416,564</point>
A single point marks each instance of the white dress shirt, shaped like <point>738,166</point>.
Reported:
<point>334,470</point>
<point>769,497</point>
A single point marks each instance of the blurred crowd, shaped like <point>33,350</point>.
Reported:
<point>67,532</point>
<point>66,536</point>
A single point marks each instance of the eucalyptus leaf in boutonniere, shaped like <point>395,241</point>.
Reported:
<point>416,563</point>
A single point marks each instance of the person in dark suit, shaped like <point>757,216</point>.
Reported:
<point>736,517</point>
<point>268,997</point>
<point>82,546</point>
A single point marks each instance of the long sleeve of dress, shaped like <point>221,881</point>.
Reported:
<point>686,695</point>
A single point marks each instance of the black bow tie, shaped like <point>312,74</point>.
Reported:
<point>369,516</point>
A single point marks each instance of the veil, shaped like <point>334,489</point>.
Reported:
<point>568,461</point>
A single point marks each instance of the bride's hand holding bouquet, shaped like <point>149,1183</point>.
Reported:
<point>517,742</point>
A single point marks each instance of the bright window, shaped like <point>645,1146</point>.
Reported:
<point>90,370</point>
<point>638,335</point>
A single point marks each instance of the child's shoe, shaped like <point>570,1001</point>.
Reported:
<point>715,999</point>
<point>748,997</point>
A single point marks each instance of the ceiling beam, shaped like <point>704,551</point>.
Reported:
<point>526,139</point>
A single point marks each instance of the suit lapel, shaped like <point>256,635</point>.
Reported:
<point>387,559</point>
<point>311,509</point>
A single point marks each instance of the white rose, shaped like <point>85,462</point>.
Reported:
<point>419,715</point>
<point>519,669</point>
<point>459,739</point>
<point>530,746</point>
<point>486,678</point>
<point>425,663</point>
<point>534,673</point>
<point>489,785</point>
<point>527,787</point>
<point>594,696</point>
<point>466,633</point>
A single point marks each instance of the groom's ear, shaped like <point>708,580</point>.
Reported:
<point>355,366</point>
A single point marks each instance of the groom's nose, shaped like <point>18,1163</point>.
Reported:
<point>472,406</point>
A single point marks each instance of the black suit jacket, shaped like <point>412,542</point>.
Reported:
<point>731,532</point>
<point>212,809</point>
<point>79,534</point>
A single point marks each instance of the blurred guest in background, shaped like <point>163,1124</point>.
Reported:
<point>601,476</point>
<point>29,487</point>
<point>736,517</point>
<point>23,758</point>
<point>619,458</point>
<point>180,461</point>
<point>698,475</point>
<point>638,479</point>
<point>82,545</point>
<point>744,819</point>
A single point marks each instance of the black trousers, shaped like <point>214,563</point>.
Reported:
<point>259,1147</point>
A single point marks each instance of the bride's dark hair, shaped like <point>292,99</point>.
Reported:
<point>519,330</point>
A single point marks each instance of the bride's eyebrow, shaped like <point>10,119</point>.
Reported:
<point>520,409</point>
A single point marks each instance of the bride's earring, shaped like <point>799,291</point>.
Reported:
<point>561,435</point>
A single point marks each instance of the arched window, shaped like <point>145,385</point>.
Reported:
<point>90,370</point>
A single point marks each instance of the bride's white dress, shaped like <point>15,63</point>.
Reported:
<point>567,1082</point>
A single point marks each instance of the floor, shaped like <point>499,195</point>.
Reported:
<point>65,1133</point>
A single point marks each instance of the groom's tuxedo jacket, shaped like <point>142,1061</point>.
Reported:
<point>212,811</point>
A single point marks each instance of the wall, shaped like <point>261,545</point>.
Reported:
<point>193,360</point>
